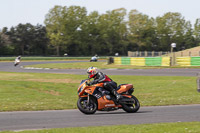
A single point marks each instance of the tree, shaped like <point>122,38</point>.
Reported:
<point>5,48</point>
<point>54,25</point>
<point>63,25</point>
<point>171,28</point>
<point>113,31</point>
<point>28,39</point>
<point>39,42</point>
<point>141,31</point>
<point>197,31</point>
<point>188,40</point>
<point>21,37</point>
<point>5,43</point>
<point>90,35</point>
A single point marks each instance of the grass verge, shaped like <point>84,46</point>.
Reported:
<point>43,91</point>
<point>180,127</point>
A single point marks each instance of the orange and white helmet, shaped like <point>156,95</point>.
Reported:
<point>92,71</point>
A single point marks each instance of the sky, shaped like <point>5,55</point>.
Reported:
<point>13,12</point>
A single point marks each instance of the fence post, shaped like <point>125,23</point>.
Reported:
<point>145,54</point>
<point>198,82</point>
<point>189,53</point>
<point>137,53</point>
<point>140,54</point>
<point>152,53</point>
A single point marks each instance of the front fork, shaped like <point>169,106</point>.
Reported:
<point>88,100</point>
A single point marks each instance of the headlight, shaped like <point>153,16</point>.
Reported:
<point>80,89</point>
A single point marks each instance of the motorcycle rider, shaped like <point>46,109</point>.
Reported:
<point>17,60</point>
<point>100,77</point>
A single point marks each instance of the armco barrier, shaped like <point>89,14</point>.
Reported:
<point>142,61</point>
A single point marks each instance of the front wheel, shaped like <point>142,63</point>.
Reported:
<point>85,107</point>
<point>131,107</point>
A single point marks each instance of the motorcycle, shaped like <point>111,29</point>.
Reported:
<point>17,61</point>
<point>94,59</point>
<point>95,97</point>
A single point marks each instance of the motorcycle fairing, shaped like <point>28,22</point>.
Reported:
<point>97,93</point>
<point>93,90</point>
<point>104,103</point>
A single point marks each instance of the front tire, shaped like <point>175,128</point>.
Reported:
<point>86,108</point>
<point>132,108</point>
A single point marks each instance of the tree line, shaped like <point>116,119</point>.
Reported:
<point>74,31</point>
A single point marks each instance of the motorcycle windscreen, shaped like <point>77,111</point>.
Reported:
<point>82,81</point>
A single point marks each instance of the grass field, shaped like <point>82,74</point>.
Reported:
<point>180,127</point>
<point>40,91</point>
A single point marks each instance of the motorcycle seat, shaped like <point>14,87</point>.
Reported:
<point>119,86</point>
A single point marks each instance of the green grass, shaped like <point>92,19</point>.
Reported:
<point>43,58</point>
<point>77,65</point>
<point>100,65</point>
<point>27,91</point>
<point>180,127</point>
<point>42,91</point>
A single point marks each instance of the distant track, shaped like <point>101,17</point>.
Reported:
<point>8,66</point>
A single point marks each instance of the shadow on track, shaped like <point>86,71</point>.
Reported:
<point>116,113</point>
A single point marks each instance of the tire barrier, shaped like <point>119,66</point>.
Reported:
<point>156,61</point>
<point>183,61</point>
<point>188,61</point>
<point>138,61</point>
<point>142,61</point>
<point>117,61</point>
<point>166,61</point>
<point>195,61</point>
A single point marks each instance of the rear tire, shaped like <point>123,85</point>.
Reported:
<point>83,106</point>
<point>131,108</point>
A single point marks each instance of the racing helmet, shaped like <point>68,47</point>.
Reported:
<point>92,71</point>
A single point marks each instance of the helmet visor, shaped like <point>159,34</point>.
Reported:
<point>89,73</point>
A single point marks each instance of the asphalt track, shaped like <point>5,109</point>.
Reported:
<point>9,67</point>
<point>73,118</point>
<point>25,120</point>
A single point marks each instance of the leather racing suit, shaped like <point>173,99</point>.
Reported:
<point>109,84</point>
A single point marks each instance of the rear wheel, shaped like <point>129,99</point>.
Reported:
<point>131,107</point>
<point>85,107</point>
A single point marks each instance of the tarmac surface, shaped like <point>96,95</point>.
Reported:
<point>9,67</point>
<point>29,120</point>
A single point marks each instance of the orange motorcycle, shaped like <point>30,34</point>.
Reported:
<point>95,97</point>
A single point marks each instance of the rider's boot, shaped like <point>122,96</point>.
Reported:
<point>117,95</point>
